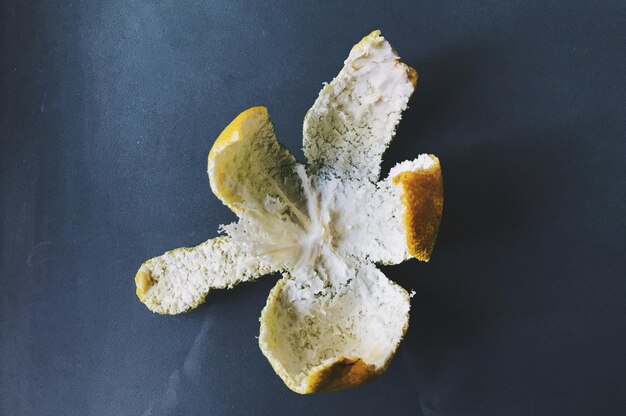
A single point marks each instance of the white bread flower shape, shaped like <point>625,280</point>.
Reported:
<point>333,321</point>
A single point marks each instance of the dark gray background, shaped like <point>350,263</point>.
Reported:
<point>110,107</point>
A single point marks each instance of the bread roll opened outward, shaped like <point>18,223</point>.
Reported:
<point>333,321</point>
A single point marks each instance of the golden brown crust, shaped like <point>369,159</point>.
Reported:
<point>412,74</point>
<point>422,195</point>
<point>342,374</point>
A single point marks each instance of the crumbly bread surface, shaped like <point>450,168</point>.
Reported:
<point>349,331</point>
<point>355,116</point>
<point>179,280</point>
<point>334,321</point>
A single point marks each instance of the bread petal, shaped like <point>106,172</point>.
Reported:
<point>179,280</point>
<point>247,163</point>
<point>409,204</point>
<point>355,116</point>
<point>422,198</point>
<point>343,337</point>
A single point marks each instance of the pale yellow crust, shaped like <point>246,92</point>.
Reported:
<point>422,196</point>
<point>373,35</point>
<point>143,282</point>
<point>242,128</point>
<point>232,132</point>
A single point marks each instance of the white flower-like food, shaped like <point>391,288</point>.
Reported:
<point>334,320</point>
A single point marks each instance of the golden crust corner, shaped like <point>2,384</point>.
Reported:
<point>422,195</point>
<point>342,374</point>
<point>412,75</point>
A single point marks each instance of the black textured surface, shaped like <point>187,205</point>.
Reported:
<point>109,108</point>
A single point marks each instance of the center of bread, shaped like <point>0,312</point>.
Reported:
<point>317,237</point>
<point>298,236</point>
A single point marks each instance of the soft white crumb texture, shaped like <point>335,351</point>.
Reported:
<point>327,306</point>
<point>324,226</point>
<point>355,116</point>
<point>423,162</point>
<point>364,317</point>
<point>182,278</point>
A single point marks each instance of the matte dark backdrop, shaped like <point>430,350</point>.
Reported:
<point>110,107</point>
